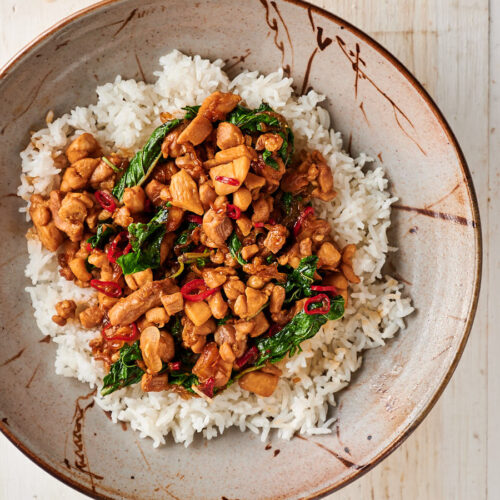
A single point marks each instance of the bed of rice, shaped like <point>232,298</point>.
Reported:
<point>125,114</point>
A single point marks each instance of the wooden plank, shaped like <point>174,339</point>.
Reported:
<point>445,44</point>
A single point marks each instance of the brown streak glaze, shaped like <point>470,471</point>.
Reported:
<point>27,386</point>
<point>456,219</point>
<point>45,340</point>
<point>444,197</point>
<point>322,44</point>
<point>16,356</point>
<point>311,20</point>
<point>308,71</point>
<point>140,67</point>
<point>347,463</point>
<point>273,24</point>
<point>129,18</point>
<point>239,59</point>
<point>362,108</point>
<point>275,7</point>
<point>379,156</point>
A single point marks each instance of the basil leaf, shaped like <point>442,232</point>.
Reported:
<point>146,244</point>
<point>298,284</point>
<point>125,371</point>
<point>185,380</point>
<point>183,238</point>
<point>250,120</point>
<point>104,233</point>
<point>145,160</point>
<point>302,327</point>
<point>235,249</point>
<point>269,160</point>
<point>191,112</point>
<point>224,320</point>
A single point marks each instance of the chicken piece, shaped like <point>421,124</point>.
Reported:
<point>157,316</point>
<point>163,172</point>
<point>91,317</point>
<point>260,383</point>
<point>245,225</point>
<point>216,277</point>
<point>254,183</point>
<point>77,176</point>
<point>82,147</point>
<point>249,251</point>
<point>136,280</point>
<point>174,219</point>
<point>271,175</point>
<point>262,209</point>
<point>156,347</point>
<point>191,339</point>
<point>154,383</point>
<point>103,176</point>
<point>305,247</point>
<point>134,199</point>
<point>122,217</point>
<point>231,154</point>
<point>69,213</point>
<point>170,146</point>
<point>271,142</point>
<point>207,195</point>
<point>217,227</point>
<point>228,136</point>
<point>226,353</point>
<point>240,306</point>
<point>216,106</point>
<point>339,281</point>
<point>277,299</point>
<point>79,269</point>
<point>261,324</point>
<point>66,309</point>
<point>184,192</point>
<point>236,170</point>
<point>346,266</point>
<point>196,132</point>
<point>132,307</point>
<point>153,190</point>
<point>276,238</point>
<point>50,236</point>
<point>315,228</point>
<point>217,305</point>
<point>242,198</point>
<point>256,300</point>
<point>167,243</point>
<point>324,191</point>
<point>329,256</point>
<point>197,312</point>
<point>233,287</point>
<point>173,302</point>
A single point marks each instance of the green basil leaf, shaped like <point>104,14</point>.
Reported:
<point>234,246</point>
<point>298,284</point>
<point>104,233</point>
<point>269,160</point>
<point>191,112</point>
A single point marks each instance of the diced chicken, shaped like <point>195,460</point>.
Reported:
<point>329,256</point>
<point>184,192</point>
<point>229,136</point>
<point>261,324</point>
<point>216,277</point>
<point>217,227</point>
<point>153,190</point>
<point>233,287</point>
<point>276,238</point>
<point>271,142</point>
<point>69,213</point>
<point>216,106</point>
<point>123,217</point>
<point>245,225</point>
<point>249,251</point>
<point>217,305</point>
<point>260,383</point>
<point>103,177</point>
<point>173,302</point>
<point>231,154</point>
<point>163,172</point>
<point>77,176</point>
<point>346,266</point>
<point>242,198</point>
<point>79,269</point>
<point>271,174</point>
<point>82,147</point>
<point>136,280</point>
<point>207,195</point>
<point>134,199</point>
<point>156,347</point>
<point>174,218</point>
<point>196,132</point>
<point>254,182</point>
<point>262,209</point>
<point>130,308</point>
<point>197,312</point>
<point>256,300</point>
<point>191,339</point>
<point>277,299</point>
<point>170,146</point>
<point>154,383</point>
<point>50,236</point>
<point>324,191</point>
<point>236,170</point>
<point>157,316</point>
<point>91,317</point>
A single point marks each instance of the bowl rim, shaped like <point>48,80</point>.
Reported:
<point>423,412</point>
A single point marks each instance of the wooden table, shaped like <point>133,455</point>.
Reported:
<point>453,47</point>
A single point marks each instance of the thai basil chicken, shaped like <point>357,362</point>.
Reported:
<point>208,261</point>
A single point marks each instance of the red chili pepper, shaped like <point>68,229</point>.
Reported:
<point>227,180</point>
<point>274,330</point>
<point>298,224</point>
<point>148,206</point>
<point>323,298</point>
<point>109,288</point>
<point>258,224</point>
<point>106,200</point>
<point>174,366</point>
<point>321,288</point>
<point>233,212</point>
<point>271,221</point>
<point>89,247</point>
<point>249,357</point>
<point>208,387</point>
<point>194,218</point>
<point>197,285</point>
<point>134,334</point>
<point>113,251</point>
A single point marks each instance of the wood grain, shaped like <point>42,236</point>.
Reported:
<point>453,48</point>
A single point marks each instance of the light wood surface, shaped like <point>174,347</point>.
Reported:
<point>453,48</point>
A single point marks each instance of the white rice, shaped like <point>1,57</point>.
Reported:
<point>125,114</point>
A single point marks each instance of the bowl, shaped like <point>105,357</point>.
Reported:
<point>381,109</point>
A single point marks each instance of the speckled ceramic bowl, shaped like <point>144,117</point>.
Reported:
<point>380,109</point>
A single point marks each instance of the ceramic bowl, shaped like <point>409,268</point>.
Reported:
<point>380,109</point>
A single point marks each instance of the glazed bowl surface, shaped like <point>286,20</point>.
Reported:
<point>381,110</point>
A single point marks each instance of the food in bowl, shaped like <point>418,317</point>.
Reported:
<point>193,266</point>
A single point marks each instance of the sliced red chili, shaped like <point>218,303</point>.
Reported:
<point>109,288</point>
<point>321,298</point>
<point>324,288</point>
<point>194,218</point>
<point>233,212</point>
<point>274,330</point>
<point>258,224</point>
<point>208,387</point>
<point>199,286</point>
<point>113,251</point>
<point>250,356</point>
<point>89,247</point>
<point>227,180</point>
<point>174,366</point>
<point>271,221</point>
<point>298,223</point>
<point>106,200</point>
<point>133,335</point>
